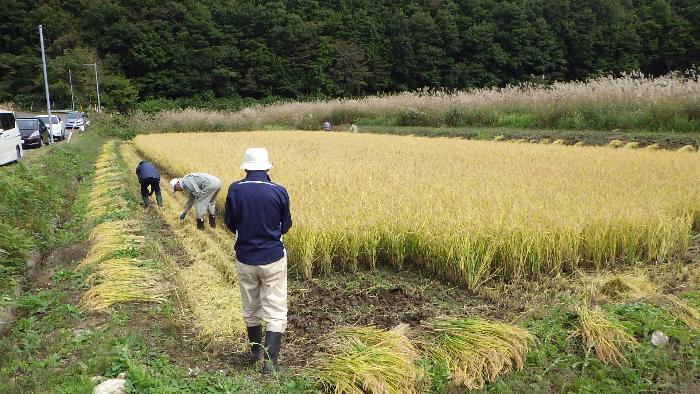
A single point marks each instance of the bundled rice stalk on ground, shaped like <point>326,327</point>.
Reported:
<point>109,239</point>
<point>637,287</point>
<point>677,308</point>
<point>607,338</point>
<point>624,287</point>
<point>476,351</point>
<point>367,360</point>
<point>123,280</point>
<point>517,211</point>
<point>116,278</point>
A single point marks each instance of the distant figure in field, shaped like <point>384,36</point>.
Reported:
<point>148,175</point>
<point>202,189</point>
<point>353,128</point>
<point>257,211</point>
<point>326,126</point>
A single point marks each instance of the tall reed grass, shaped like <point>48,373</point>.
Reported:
<point>630,102</point>
<point>468,211</point>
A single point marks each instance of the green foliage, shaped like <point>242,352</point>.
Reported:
<point>121,93</point>
<point>36,198</point>
<point>559,363</point>
<point>221,54</point>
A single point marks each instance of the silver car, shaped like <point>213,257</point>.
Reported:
<point>76,120</point>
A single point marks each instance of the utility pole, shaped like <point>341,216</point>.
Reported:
<point>46,85</point>
<point>97,86</point>
<point>72,98</point>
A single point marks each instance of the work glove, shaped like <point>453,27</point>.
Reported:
<point>182,215</point>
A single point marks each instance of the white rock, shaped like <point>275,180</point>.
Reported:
<point>122,375</point>
<point>111,386</point>
<point>658,338</point>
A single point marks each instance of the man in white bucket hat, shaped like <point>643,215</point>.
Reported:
<point>202,189</point>
<point>257,211</point>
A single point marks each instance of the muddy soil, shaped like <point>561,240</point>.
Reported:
<point>384,298</point>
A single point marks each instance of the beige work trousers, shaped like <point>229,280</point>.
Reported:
<point>264,294</point>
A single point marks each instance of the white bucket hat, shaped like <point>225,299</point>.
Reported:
<point>256,159</point>
<point>174,182</point>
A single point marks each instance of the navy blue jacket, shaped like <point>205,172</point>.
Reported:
<point>257,210</point>
<point>146,170</point>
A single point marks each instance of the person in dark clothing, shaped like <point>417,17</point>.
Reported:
<point>257,211</point>
<point>149,176</point>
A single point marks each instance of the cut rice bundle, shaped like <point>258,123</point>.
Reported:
<point>477,351</point>
<point>607,338</point>
<point>367,360</point>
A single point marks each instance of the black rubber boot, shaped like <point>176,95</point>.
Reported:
<point>212,221</point>
<point>145,201</point>
<point>159,200</point>
<point>255,339</point>
<point>273,342</point>
<point>200,224</point>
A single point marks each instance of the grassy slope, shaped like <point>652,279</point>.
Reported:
<point>36,205</point>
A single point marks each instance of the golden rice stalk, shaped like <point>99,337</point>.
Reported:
<point>631,145</point>
<point>123,281</point>
<point>559,141</point>
<point>678,309</point>
<point>624,287</point>
<point>545,141</point>
<point>654,146</point>
<point>687,148</point>
<point>607,338</point>
<point>367,360</point>
<point>477,351</point>
<point>500,137</point>
<point>580,143</point>
<point>616,144</point>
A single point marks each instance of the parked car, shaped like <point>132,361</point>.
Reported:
<point>76,120</point>
<point>10,139</point>
<point>57,129</point>
<point>33,132</point>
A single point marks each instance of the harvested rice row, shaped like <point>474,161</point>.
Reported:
<point>118,275</point>
<point>209,284</point>
<point>371,360</point>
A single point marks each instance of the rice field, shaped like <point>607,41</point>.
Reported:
<point>468,211</point>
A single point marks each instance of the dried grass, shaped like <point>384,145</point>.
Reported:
<point>629,102</point>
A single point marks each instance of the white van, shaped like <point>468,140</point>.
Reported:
<point>57,129</point>
<point>10,139</point>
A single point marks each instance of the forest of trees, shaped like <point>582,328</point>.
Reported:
<point>231,49</point>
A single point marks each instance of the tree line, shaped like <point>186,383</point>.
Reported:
<point>211,51</point>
